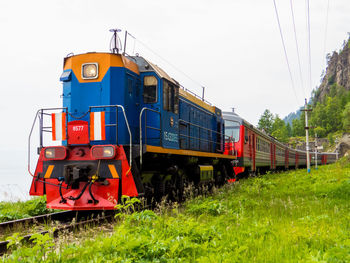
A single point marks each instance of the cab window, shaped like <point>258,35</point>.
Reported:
<point>170,97</point>
<point>232,130</point>
<point>150,89</point>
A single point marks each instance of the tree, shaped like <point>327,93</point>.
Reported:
<point>298,125</point>
<point>346,117</point>
<point>266,121</point>
<point>289,129</point>
<point>321,132</point>
<point>279,129</point>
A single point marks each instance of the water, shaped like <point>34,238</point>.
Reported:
<point>14,178</point>
<point>13,193</point>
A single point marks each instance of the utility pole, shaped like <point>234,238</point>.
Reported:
<point>316,151</point>
<point>307,137</point>
<point>336,149</point>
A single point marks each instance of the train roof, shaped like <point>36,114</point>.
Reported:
<point>147,66</point>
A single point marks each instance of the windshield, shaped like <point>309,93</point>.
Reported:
<point>232,130</point>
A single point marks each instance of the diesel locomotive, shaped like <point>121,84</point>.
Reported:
<point>127,128</point>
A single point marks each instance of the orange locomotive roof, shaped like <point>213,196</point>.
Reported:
<point>104,60</point>
<point>196,100</point>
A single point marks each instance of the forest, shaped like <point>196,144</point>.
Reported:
<point>327,117</point>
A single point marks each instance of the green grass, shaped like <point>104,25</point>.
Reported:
<point>282,217</point>
<point>22,209</point>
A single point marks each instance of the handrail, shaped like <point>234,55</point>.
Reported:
<point>29,137</point>
<point>203,128</point>
<point>140,124</point>
<point>126,122</point>
<point>41,111</point>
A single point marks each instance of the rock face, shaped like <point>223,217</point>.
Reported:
<point>337,72</point>
<point>343,145</point>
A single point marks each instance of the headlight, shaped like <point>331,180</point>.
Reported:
<point>89,71</point>
<point>103,152</point>
<point>55,153</point>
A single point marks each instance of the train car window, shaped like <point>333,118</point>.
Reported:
<point>170,97</point>
<point>176,99</point>
<point>245,135</point>
<point>150,89</point>
<point>165,96</point>
<point>263,146</point>
<point>130,84</point>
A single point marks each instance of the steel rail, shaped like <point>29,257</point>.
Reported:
<point>65,217</point>
<point>36,219</point>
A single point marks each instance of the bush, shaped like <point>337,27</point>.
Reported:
<point>17,210</point>
<point>346,117</point>
<point>321,132</point>
<point>330,139</point>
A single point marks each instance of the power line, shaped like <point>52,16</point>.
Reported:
<point>326,29</point>
<point>297,47</point>
<point>173,66</point>
<point>285,51</point>
<point>309,41</point>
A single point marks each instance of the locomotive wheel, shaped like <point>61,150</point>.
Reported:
<point>158,187</point>
<point>221,176</point>
<point>175,187</point>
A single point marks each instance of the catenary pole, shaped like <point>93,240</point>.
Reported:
<point>316,151</point>
<point>307,138</point>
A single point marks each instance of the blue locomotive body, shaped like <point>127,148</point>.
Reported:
<point>172,118</point>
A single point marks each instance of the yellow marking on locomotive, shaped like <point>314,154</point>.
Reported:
<point>104,60</point>
<point>49,171</point>
<point>157,149</point>
<point>113,171</point>
<point>196,101</point>
<point>206,168</point>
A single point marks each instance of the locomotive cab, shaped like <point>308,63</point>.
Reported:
<point>97,79</point>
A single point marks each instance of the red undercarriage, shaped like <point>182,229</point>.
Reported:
<point>105,191</point>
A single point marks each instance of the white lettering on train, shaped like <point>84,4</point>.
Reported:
<point>78,128</point>
<point>170,137</point>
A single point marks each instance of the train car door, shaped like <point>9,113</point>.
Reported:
<point>254,151</point>
<point>250,150</point>
<point>273,155</point>
<point>296,160</point>
<point>151,102</point>
<point>170,115</point>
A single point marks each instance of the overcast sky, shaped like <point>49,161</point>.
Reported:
<point>231,47</point>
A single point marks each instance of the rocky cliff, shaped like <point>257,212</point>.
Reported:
<point>337,72</point>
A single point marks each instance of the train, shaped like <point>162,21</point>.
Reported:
<point>127,128</point>
<point>258,152</point>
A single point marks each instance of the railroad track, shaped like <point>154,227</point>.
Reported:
<point>66,219</point>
